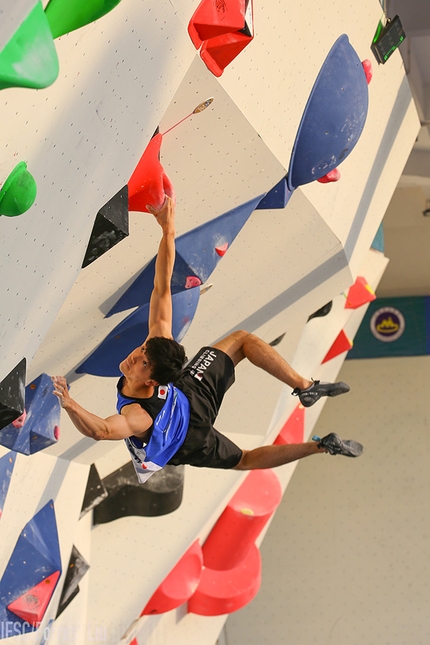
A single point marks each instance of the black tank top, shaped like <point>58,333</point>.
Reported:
<point>151,405</point>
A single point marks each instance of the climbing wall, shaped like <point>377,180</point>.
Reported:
<point>261,246</point>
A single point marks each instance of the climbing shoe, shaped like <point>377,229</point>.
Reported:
<point>337,446</point>
<point>315,391</point>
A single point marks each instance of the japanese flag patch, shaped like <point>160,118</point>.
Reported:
<point>162,391</point>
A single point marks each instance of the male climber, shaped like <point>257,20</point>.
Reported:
<point>166,412</point>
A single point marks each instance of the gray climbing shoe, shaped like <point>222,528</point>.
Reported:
<point>337,446</point>
<point>318,389</point>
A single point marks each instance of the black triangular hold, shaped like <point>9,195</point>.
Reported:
<point>95,491</point>
<point>110,227</point>
<point>277,340</point>
<point>76,570</point>
<point>323,311</point>
<point>12,394</point>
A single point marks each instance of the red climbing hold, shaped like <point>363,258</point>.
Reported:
<point>340,345</point>
<point>179,585</point>
<point>367,66</point>
<point>293,429</point>
<point>222,29</point>
<point>231,574</point>
<point>192,281</point>
<point>149,184</point>
<point>19,422</point>
<point>222,249</point>
<point>333,175</point>
<point>359,294</point>
<point>31,606</point>
<point>212,19</point>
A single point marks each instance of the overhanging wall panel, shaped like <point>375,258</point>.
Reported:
<point>81,138</point>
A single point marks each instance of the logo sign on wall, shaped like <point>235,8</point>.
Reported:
<point>387,324</point>
<point>394,327</point>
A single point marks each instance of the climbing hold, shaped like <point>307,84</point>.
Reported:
<point>128,334</point>
<point>32,572</point>
<point>18,192</point>
<point>333,118</point>
<point>277,197</point>
<point>12,395</point>
<point>222,30</point>
<point>212,19</point>
<point>195,254</point>
<point>231,574</point>
<point>180,583</point>
<point>40,428</point>
<point>222,249</point>
<point>333,175</point>
<point>19,422</point>
<point>322,311</point>
<point>95,491</point>
<point>340,345</point>
<point>162,494</point>
<point>293,429</point>
<point>360,293</point>
<point>76,570</point>
<point>110,227</point>
<point>367,67</point>
<point>31,606</point>
<point>217,53</point>
<point>67,15</point>
<point>7,462</point>
<point>149,185</point>
<point>29,59</point>
<point>192,281</point>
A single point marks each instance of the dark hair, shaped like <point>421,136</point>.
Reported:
<point>167,358</point>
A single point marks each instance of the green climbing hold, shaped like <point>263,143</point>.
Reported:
<point>18,191</point>
<point>67,15</point>
<point>30,59</point>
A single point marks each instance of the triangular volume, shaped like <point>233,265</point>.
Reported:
<point>340,345</point>
<point>42,535</point>
<point>359,294</point>
<point>95,491</point>
<point>293,429</point>
<point>32,605</point>
<point>12,395</point>
<point>149,184</point>
<point>110,227</point>
<point>277,197</point>
<point>39,429</point>
<point>67,15</point>
<point>200,248</point>
<point>76,570</point>
<point>29,59</point>
<point>7,462</point>
<point>212,19</point>
<point>34,559</point>
<point>197,254</point>
<point>105,359</point>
